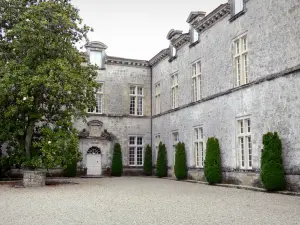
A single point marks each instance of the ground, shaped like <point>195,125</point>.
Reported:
<point>137,200</point>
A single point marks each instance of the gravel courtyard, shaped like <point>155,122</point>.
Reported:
<point>136,200</point>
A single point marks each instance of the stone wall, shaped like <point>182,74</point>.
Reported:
<point>270,100</point>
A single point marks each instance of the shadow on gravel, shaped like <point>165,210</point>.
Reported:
<point>19,184</point>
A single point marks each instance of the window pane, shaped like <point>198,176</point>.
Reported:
<point>242,151</point>
<point>139,156</point>
<point>248,126</point>
<point>245,44</point>
<point>245,57</point>
<point>139,141</point>
<point>140,91</point>
<point>241,126</point>
<point>132,90</point>
<point>237,47</point>
<point>140,106</point>
<point>100,90</point>
<point>195,35</point>
<point>238,6</point>
<point>202,153</point>
<point>96,58</point>
<point>173,52</point>
<point>198,67</point>
<point>99,103</point>
<point>131,156</point>
<point>132,105</point>
<point>197,154</point>
<point>194,70</point>
<point>250,151</point>
<point>131,140</point>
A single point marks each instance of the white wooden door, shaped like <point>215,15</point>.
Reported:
<point>93,164</point>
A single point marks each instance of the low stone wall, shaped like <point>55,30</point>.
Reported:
<point>34,178</point>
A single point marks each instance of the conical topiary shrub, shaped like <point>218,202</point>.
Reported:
<point>272,171</point>
<point>212,164</point>
<point>117,162</point>
<point>162,162</point>
<point>180,162</point>
<point>148,161</point>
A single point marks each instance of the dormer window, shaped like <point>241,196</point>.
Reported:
<point>238,6</point>
<point>96,58</point>
<point>195,35</point>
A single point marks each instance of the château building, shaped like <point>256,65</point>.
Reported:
<point>235,75</point>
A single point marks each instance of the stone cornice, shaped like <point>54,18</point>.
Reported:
<point>212,18</point>
<point>159,56</point>
<point>184,38</point>
<point>125,61</point>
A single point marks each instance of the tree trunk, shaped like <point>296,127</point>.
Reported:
<point>29,134</point>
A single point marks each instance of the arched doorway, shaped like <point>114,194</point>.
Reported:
<point>93,161</point>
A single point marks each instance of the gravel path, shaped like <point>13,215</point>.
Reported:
<point>137,200</point>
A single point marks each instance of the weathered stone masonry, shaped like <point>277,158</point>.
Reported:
<point>269,98</point>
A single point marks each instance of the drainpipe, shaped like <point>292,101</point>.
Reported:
<point>151,106</point>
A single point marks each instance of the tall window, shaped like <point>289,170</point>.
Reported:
<point>157,98</point>
<point>173,52</point>
<point>245,143</point>
<point>175,140</point>
<point>196,76</point>
<point>241,60</point>
<point>174,91</point>
<point>195,35</point>
<point>96,58</point>
<point>157,141</point>
<point>238,6</point>
<point>136,100</point>
<point>136,151</point>
<point>99,98</point>
<point>198,147</point>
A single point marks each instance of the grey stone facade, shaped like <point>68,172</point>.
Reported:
<point>270,99</point>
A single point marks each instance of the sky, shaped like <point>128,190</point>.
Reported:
<point>137,29</point>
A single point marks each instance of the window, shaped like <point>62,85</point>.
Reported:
<point>195,35</point>
<point>136,100</point>
<point>238,6</point>
<point>157,98</point>
<point>241,60</point>
<point>173,51</point>
<point>245,143</point>
<point>96,58</point>
<point>136,151</point>
<point>157,141</point>
<point>196,76</point>
<point>99,99</point>
<point>198,147</point>
<point>175,140</point>
<point>174,91</point>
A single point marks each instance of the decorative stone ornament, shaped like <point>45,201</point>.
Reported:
<point>34,178</point>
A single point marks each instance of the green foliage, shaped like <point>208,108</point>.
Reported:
<point>162,161</point>
<point>180,162</point>
<point>71,170</point>
<point>117,162</point>
<point>212,164</point>
<point>148,161</point>
<point>272,171</point>
<point>44,79</point>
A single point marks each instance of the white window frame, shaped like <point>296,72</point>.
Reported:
<point>196,80</point>
<point>100,100</point>
<point>174,51</point>
<point>238,6</point>
<point>157,140</point>
<point>136,147</point>
<point>174,90</point>
<point>175,141</point>
<point>244,143</point>
<point>195,35</point>
<point>241,60</point>
<point>198,146</point>
<point>135,96</point>
<point>96,58</point>
<point>157,98</point>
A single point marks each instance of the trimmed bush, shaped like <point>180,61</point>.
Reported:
<point>148,161</point>
<point>71,170</point>
<point>180,162</point>
<point>117,162</point>
<point>212,164</point>
<point>272,171</point>
<point>162,162</point>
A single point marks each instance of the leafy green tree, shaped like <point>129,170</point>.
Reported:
<point>162,161</point>
<point>180,162</point>
<point>272,171</point>
<point>212,164</point>
<point>117,161</point>
<point>148,161</point>
<point>45,81</point>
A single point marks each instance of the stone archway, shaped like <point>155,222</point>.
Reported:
<point>94,161</point>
